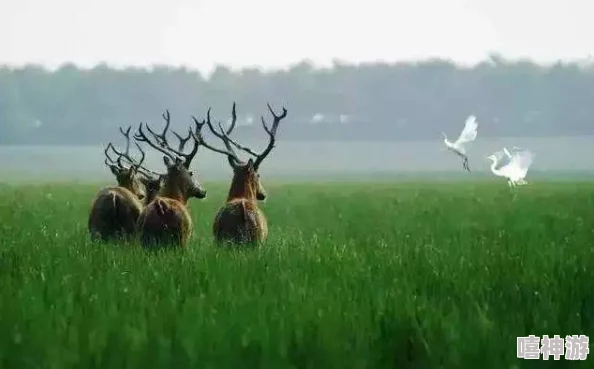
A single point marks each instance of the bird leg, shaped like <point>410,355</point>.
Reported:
<point>465,164</point>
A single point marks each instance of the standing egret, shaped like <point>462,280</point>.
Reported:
<point>515,171</point>
<point>468,134</point>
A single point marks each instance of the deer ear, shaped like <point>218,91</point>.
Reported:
<point>167,162</point>
<point>250,163</point>
<point>114,170</point>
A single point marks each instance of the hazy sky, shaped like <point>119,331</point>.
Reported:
<point>273,33</point>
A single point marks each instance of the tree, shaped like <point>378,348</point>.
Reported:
<point>385,100</point>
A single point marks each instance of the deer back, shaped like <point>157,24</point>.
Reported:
<point>165,222</point>
<point>114,213</point>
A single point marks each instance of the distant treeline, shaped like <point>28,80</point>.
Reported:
<point>373,101</point>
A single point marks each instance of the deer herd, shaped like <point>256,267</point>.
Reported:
<point>153,207</point>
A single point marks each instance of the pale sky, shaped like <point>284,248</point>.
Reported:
<point>274,33</point>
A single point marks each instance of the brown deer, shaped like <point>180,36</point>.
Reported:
<point>240,221</point>
<point>115,209</point>
<point>166,221</point>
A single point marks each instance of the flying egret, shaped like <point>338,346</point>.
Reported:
<point>468,134</point>
<point>515,171</point>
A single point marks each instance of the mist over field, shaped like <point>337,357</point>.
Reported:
<point>302,160</point>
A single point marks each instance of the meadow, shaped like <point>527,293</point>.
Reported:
<point>354,275</point>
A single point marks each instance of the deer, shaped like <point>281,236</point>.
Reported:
<point>115,209</point>
<point>240,221</point>
<point>166,221</point>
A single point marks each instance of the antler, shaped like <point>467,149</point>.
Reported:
<point>231,154</point>
<point>137,165</point>
<point>224,136</point>
<point>160,141</point>
<point>182,140</point>
<point>108,159</point>
<point>271,133</point>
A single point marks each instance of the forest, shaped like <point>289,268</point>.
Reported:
<point>379,101</point>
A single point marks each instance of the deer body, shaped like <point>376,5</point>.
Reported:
<point>240,220</point>
<point>114,213</point>
<point>166,220</point>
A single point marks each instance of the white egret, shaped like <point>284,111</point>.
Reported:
<point>515,171</point>
<point>459,146</point>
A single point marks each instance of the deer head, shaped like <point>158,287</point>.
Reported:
<point>178,183</point>
<point>152,186</point>
<point>127,177</point>
<point>246,179</point>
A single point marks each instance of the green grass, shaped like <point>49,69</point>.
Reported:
<point>411,275</point>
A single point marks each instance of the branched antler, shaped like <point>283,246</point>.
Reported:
<point>137,165</point>
<point>225,136</point>
<point>182,140</point>
<point>229,142</point>
<point>109,161</point>
<point>159,141</point>
<point>231,154</point>
<point>271,133</point>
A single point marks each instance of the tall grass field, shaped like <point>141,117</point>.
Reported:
<point>353,275</point>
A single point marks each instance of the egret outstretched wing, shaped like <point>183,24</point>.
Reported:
<point>515,149</point>
<point>504,157</point>
<point>522,160</point>
<point>469,132</point>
